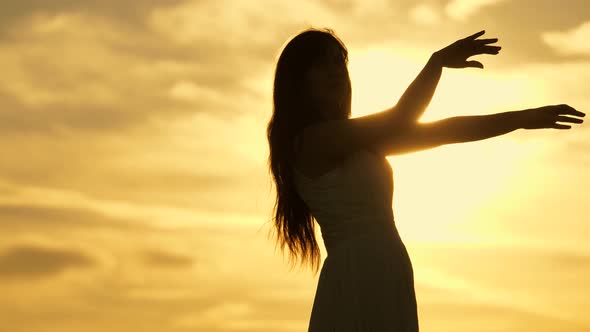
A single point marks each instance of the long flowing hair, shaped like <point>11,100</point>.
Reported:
<point>294,109</point>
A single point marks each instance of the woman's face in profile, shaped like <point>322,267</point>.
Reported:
<point>329,82</point>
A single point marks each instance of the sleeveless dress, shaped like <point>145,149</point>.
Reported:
<point>366,283</point>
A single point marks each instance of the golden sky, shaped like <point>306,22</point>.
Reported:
<point>134,193</point>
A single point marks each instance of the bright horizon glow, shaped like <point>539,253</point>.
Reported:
<point>380,75</point>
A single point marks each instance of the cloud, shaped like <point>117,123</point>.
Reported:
<point>136,282</point>
<point>570,42</point>
<point>89,83</point>
<point>161,258</point>
<point>168,58</point>
<point>462,9</point>
<point>425,14</point>
<point>173,162</point>
<point>24,218</point>
<point>516,277</point>
<point>108,76</point>
<point>32,262</point>
<point>92,88</point>
<point>235,296</point>
<point>342,6</point>
<point>131,14</point>
<point>470,316</point>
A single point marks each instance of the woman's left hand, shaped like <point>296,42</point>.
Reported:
<point>456,54</point>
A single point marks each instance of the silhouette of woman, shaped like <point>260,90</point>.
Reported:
<point>332,169</point>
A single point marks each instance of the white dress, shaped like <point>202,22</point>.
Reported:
<point>366,282</point>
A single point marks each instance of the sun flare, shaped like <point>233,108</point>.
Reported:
<point>439,192</point>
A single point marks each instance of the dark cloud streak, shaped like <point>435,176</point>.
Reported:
<point>27,218</point>
<point>31,261</point>
<point>519,25</point>
<point>160,258</point>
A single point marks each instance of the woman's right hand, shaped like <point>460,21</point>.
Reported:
<point>548,116</point>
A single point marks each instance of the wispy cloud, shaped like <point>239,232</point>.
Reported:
<point>425,14</point>
<point>31,262</point>
<point>462,9</point>
<point>159,258</point>
<point>570,42</point>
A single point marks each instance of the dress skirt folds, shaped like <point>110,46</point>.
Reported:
<point>366,283</point>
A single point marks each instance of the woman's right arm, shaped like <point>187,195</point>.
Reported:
<point>462,129</point>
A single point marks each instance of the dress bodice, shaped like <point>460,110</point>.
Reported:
<point>351,201</point>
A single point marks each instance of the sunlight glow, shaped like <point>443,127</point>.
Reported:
<point>441,204</point>
<point>379,76</point>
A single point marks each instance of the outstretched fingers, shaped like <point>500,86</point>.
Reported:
<point>475,35</point>
<point>560,126</point>
<point>562,118</point>
<point>486,41</point>
<point>489,50</point>
<point>482,46</point>
<point>567,109</point>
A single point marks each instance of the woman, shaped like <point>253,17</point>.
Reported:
<point>333,169</point>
